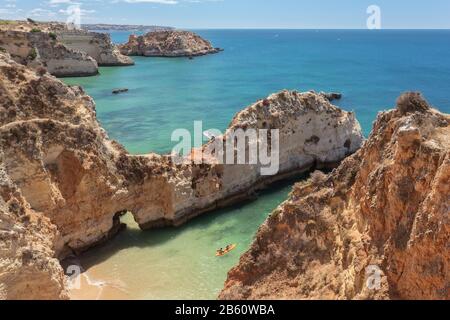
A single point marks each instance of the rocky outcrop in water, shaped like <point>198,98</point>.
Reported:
<point>375,228</point>
<point>167,44</point>
<point>331,96</point>
<point>64,184</point>
<point>120,90</point>
<point>312,133</point>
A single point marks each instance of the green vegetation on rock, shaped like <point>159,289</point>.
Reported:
<point>33,54</point>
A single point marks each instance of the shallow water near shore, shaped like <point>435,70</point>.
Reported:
<point>175,263</point>
<point>371,69</point>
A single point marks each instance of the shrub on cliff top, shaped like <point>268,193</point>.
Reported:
<point>318,177</point>
<point>33,54</point>
<point>41,71</point>
<point>35,30</point>
<point>412,102</point>
<point>266,102</point>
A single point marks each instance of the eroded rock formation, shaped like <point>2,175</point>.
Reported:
<point>28,265</point>
<point>63,52</point>
<point>97,45</point>
<point>172,43</point>
<point>386,207</point>
<point>58,156</point>
<point>40,49</point>
<point>65,184</point>
<point>312,133</point>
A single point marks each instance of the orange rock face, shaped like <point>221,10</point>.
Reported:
<point>28,265</point>
<point>64,183</point>
<point>385,209</point>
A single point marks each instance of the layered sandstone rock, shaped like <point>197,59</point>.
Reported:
<point>65,184</point>
<point>30,25</point>
<point>28,265</point>
<point>41,49</point>
<point>167,44</point>
<point>312,133</point>
<point>64,52</point>
<point>384,212</point>
<point>58,156</point>
<point>97,45</point>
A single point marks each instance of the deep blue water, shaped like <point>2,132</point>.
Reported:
<point>371,69</point>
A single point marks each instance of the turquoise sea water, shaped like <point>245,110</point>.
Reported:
<point>371,69</point>
<point>178,263</point>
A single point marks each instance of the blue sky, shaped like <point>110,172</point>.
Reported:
<point>311,14</point>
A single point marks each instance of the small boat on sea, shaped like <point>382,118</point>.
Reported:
<point>222,253</point>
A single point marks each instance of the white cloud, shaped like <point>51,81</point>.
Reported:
<point>153,1</point>
<point>82,11</point>
<point>59,1</point>
<point>39,12</point>
<point>167,1</point>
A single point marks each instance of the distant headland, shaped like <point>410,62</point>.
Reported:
<point>126,27</point>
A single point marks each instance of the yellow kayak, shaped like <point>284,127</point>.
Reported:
<point>225,252</point>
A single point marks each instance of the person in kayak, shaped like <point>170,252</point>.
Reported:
<point>220,251</point>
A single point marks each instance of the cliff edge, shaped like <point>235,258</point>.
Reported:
<point>312,133</point>
<point>99,46</point>
<point>40,49</point>
<point>375,228</point>
<point>65,184</point>
<point>29,268</point>
<point>63,52</point>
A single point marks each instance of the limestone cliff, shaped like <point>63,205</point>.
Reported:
<point>28,265</point>
<point>64,52</point>
<point>29,26</point>
<point>386,208</point>
<point>312,133</point>
<point>167,44</point>
<point>97,45</point>
<point>73,183</point>
<point>58,155</point>
<point>41,49</point>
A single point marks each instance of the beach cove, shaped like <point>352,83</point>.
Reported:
<point>371,69</point>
